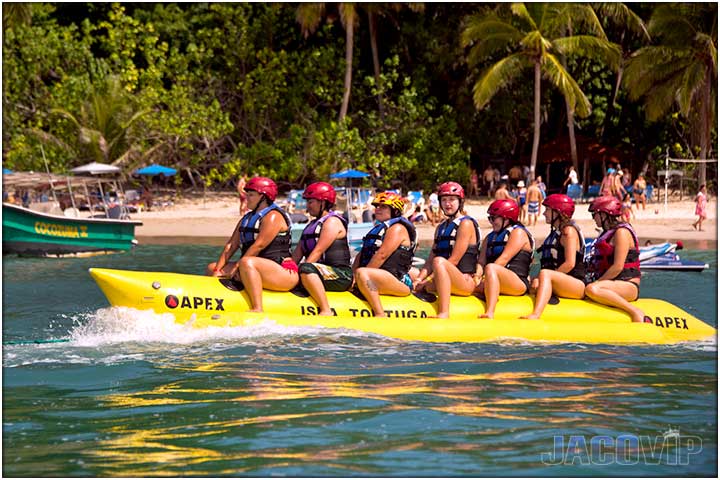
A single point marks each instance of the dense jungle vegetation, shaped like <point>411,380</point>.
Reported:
<point>415,93</point>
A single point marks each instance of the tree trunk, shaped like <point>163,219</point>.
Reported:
<point>376,62</point>
<point>349,34</point>
<point>705,131</point>
<point>536,133</point>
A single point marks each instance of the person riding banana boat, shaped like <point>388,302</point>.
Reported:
<point>324,246</point>
<point>614,265</point>
<point>263,237</point>
<point>382,267</point>
<point>505,256</point>
<point>451,266</point>
<point>562,271</point>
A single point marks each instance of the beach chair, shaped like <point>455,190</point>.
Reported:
<point>592,192</point>
<point>574,191</point>
<point>649,190</point>
<point>296,202</point>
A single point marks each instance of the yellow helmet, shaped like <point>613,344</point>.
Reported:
<point>391,199</point>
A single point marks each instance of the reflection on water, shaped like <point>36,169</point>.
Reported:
<point>247,417</point>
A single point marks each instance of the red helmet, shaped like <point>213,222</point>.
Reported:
<point>263,185</point>
<point>561,203</point>
<point>607,204</point>
<point>451,188</point>
<point>320,191</point>
<point>504,208</point>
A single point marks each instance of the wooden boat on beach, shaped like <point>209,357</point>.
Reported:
<point>45,229</point>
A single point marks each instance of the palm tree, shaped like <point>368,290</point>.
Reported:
<point>15,14</point>
<point>102,126</point>
<point>681,70</point>
<point>536,34</point>
<point>309,15</point>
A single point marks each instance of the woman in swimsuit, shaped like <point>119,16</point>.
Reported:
<point>615,261</point>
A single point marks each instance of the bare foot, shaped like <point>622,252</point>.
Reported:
<point>440,315</point>
<point>637,317</point>
<point>532,316</point>
<point>487,315</point>
<point>328,313</point>
<point>256,310</point>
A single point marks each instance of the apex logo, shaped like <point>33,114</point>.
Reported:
<point>171,301</point>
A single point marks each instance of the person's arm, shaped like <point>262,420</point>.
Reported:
<point>570,243</point>
<point>622,240</point>
<point>394,237</point>
<point>518,239</point>
<point>298,253</point>
<point>331,230</point>
<point>228,251</point>
<point>271,225</point>
<point>465,235</point>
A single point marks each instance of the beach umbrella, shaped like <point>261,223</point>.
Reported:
<point>156,169</point>
<point>96,168</point>
<point>350,174</point>
<point>6,171</point>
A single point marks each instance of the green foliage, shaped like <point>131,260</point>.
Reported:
<point>223,89</point>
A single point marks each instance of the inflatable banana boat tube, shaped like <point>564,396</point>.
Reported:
<point>207,301</point>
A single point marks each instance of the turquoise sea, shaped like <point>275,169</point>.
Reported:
<point>131,394</point>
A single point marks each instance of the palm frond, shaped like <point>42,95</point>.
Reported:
<point>489,37</point>
<point>520,10</point>
<point>591,47</point>
<point>583,19</point>
<point>535,43</point>
<point>693,81</point>
<point>64,113</point>
<point>309,15</point>
<point>651,65</point>
<point>497,77</point>
<point>707,42</point>
<point>621,14</point>
<point>671,24</point>
<point>558,76</point>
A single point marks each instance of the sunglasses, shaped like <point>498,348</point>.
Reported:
<point>492,217</point>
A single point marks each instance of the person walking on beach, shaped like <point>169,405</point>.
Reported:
<point>534,197</point>
<point>614,265</point>
<point>489,180</point>
<point>572,178</point>
<point>505,256</point>
<point>242,181</point>
<point>382,267</point>
<point>562,271</point>
<point>451,266</point>
<point>700,207</point>
<point>434,205</point>
<point>607,187</point>
<point>263,237</point>
<point>324,245</point>
<point>474,191</point>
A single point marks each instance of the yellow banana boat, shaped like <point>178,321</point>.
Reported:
<point>207,301</point>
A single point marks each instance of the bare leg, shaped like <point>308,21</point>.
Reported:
<point>615,293</point>
<point>257,273</point>
<point>499,280</point>
<point>315,287</point>
<point>374,281</point>
<point>252,280</point>
<point>552,281</point>
<point>449,280</point>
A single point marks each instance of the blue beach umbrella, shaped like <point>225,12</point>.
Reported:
<point>6,171</point>
<point>350,173</point>
<point>155,169</point>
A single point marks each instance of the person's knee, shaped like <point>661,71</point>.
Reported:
<point>591,290</point>
<point>361,274</point>
<point>438,263</point>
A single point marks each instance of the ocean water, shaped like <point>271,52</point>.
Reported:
<point>129,393</point>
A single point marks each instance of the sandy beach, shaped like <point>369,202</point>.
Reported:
<point>211,221</point>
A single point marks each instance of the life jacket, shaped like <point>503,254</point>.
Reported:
<point>496,242</point>
<point>338,253</point>
<point>249,228</point>
<point>604,254</point>
<point>552,253</point>
<point>400,261</point>
<point>445,243</point>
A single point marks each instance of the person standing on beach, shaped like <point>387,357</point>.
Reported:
<point>242,181</point>
<point>383,265</point>
<point>502,192</point>
<point>534,197</point>
<point>474,191</point>
<point>263,237</point>
<point>639,191</point>
<point>324,245</point>
<point>562,270</point>
<point>572,178</point>
<point>453,260</point>
<point>700,207</point>
<point>614,265</point>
